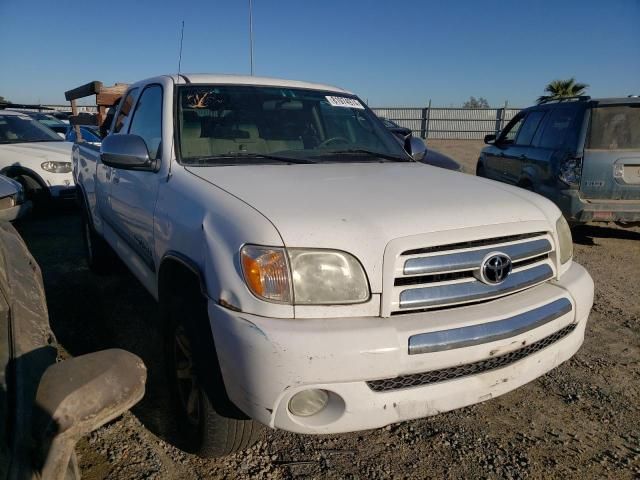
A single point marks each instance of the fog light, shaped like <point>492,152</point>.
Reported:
<point>308,402</point>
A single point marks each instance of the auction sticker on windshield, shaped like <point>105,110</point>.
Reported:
<point>344,102</point>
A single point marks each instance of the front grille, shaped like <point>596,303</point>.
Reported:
<point>444,277</point>
<point>473,243</point>
<point>452,373</point>
<point>448,275</point>
<point>67,193</point>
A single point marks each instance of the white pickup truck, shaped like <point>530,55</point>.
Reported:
<point>312,275</point>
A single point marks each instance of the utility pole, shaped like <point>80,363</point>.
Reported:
<point>251,34</point>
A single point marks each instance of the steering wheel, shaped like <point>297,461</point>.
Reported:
<point>332,140</point>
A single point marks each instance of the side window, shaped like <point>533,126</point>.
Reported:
<point>147,119</point>
<point>125,110</point>
<point>529,128</point>
<point>557,127</point>
<point>510,132</point>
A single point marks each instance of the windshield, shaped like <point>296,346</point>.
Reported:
<point>22,129</point>
<point>241,124</point>
<point>615,127</point>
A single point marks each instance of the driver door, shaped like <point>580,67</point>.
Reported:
<point>498,160</point>
<point>133,193</point>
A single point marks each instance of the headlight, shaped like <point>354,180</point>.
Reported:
<point>324,277</point>
<point>304,277</point>
<point>56,167</point>
<point>565,240</point>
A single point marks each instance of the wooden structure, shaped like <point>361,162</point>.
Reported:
<point>105,97</point>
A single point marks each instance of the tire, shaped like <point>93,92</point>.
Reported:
<point>34,192</point>
<point>98,254</point>
<point>480,170</point>
<point>209,425</point>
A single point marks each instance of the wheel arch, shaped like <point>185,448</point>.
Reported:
<point>16,170</point>
<point>176,267</point>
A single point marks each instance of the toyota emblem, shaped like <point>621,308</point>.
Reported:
<point>495,268</point>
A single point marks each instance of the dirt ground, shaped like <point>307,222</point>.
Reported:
<point>581,420</point>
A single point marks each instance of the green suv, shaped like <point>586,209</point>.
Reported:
<point>581,153</point>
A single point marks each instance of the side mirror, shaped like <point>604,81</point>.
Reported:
<point>125,151</point>
<point>490,139</point>
<point>79,395</point>
<point>416,148</point>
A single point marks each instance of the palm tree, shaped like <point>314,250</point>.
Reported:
<point>563,88</point>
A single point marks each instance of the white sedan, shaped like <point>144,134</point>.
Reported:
<point>35,156</point>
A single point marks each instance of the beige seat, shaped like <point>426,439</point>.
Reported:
<point>193,144</point>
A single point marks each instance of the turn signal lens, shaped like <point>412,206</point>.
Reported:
<point>266,273</point>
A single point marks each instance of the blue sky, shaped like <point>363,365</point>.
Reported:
<point>389,53</point>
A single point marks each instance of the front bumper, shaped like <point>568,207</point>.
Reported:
<point>579,210</point>
<point>265,361</point>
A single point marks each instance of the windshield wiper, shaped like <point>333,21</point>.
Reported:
<point>249,156</point>
<point>362,151</point>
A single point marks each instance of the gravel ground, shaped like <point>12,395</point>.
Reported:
<point>581,420</point>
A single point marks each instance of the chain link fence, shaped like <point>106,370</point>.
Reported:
<point>449,123</point>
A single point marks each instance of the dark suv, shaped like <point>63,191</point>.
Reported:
<point>581,153</point>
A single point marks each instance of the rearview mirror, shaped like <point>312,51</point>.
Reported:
<point>79,395</point>
<point>125,151</point>
<point>416,148</point>
<point>490,139</point>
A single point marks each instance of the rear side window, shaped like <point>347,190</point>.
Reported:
<point>529,128</point>
<point>125,110</point>
<point>615,127</point>
<point>147,119</point>
<point>557,127</point>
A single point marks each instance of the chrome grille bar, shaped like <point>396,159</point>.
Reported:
<point>470,291</point>
<point>472,259</point>
<point>488,332</point>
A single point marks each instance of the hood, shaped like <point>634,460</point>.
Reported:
<point>33,154</point>
<point>360,208</point>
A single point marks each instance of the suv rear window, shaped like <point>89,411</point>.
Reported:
<point>615,127</point>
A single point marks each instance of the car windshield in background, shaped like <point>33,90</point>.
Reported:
<point>48,120</point>
<point>238,124</point>
<point>23,129</point>
<point>615,127</point>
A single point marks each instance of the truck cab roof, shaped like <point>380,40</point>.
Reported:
<point>229,79</point>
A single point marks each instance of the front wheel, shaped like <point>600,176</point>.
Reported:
<point>209,424</point>
<point>34,192</point>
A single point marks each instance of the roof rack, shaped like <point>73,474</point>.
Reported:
<point>575,98</point>
<point>105,97</point>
